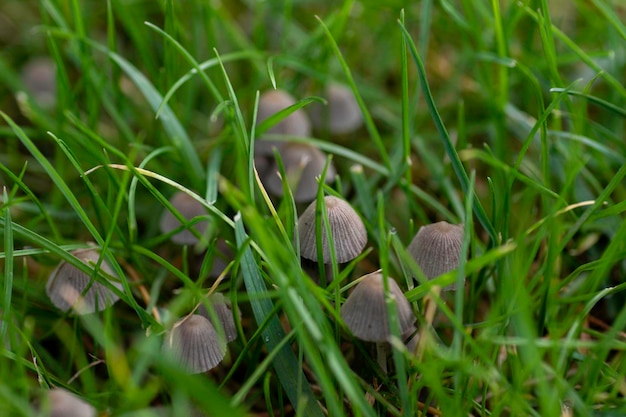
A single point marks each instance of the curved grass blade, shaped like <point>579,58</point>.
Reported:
<point>175,131</point>
<point>338,150</point>
<point>457,165</point>
<point>214,91</point>
<point>274,119</point>
<point>592,99</point>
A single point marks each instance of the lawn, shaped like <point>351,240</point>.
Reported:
<point>213,208</point>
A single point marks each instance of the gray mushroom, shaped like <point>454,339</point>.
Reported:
<point>346,228</point>
<point>223,312</point>
<point>39,79</point>
<point>62,403</point>
<point>365,313</point>
<point>195,344</point>
<point>303,163</point>
<point>436,248</point>
<point>188,208</point>
<point>273,101</point>
<point>69,287</point>
<point>342,115</point>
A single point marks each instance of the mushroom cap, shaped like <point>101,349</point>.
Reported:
<point>273,101</point>
<point>346,228</point>
<point>195,344</point>
<point>188,208</point>
<point>343,114</point>
<point>224,313</point>
<point>39,79</point>
<point>303,162</point>
<point>65,404</point>
<point>66,284</point>
<point>436,248</point>
<point>365,311</point>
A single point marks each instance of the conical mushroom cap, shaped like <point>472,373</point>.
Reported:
<point>224,314</point>
<point>273,101</point>
<point>195,343</point>
<point>304,162</point>
<point>346,228</point>
<point>344,114</point>
<point>189,208</point>
<point>66,284</point>
<point>365,311</point>
<point>436,248</point>
<point>65,404</point>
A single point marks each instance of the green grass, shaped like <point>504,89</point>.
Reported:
<point>505,116</point>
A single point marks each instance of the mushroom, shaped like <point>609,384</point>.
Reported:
<point>303,164</point>
<point>436,249</point>
<point>347,231</point>
<point>223,313</point>
<point>195,344</point>
<point>63,403</point>
<point>189,208</point>
<point>365,312</point>
<point>342,115</point>
<point>273,101</point>
<point>69,287</point>
<point>39,79</point>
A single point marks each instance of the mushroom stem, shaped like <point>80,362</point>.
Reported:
<point>328,274</point>
<point>381,356</point>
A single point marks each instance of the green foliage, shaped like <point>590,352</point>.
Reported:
<point>505,116</point>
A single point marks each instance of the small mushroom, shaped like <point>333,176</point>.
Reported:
<point>63,403</point>
<point>343,114</point>
<point>303,163</point>
<point>223,312</point>
<point>195,344</point>
<point>436,248</point>
<point>39,79</point>
<point>273,101</point>
<point>365,312</point>
<point>188,208</point>
<point>69,287</point>
<point>346,228</point>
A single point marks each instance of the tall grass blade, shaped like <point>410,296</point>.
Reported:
<point>285,363</point>
<point>445,138</point>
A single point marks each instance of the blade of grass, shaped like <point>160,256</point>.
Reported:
<point>369,122</point>
<point>285,363</point>
<point>445,138</point>
<point>5,313</point>
<point>592,99</point>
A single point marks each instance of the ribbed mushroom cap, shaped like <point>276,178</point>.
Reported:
<point>305,163</point>
<point>63,403</point>
<point>224,314</point>
<point>346,228</point>
<point>342,115</point>
<point>189,208</point>
<point>365,311</point>
<point>66,284</point>
<point>436,248</point>
<point>273,101</point>
<point>195,344</point>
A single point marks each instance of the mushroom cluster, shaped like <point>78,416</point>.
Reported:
<point>303,162</point>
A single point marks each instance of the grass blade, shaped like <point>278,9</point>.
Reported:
<point>445,138</point>
<point>285,362</point>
